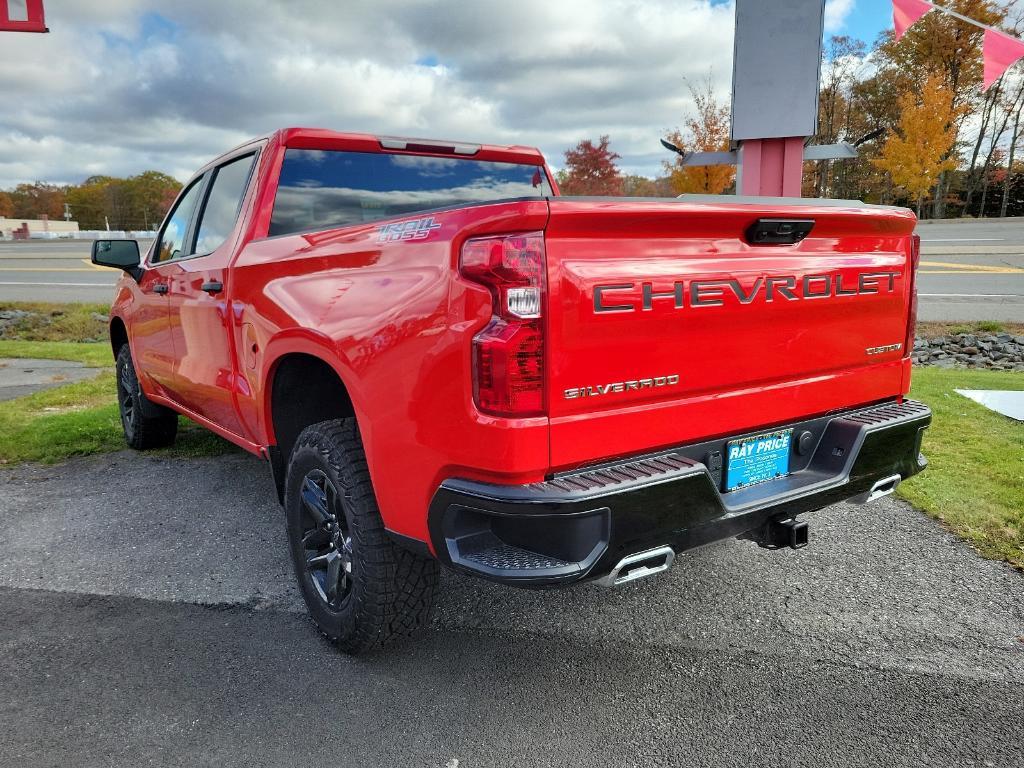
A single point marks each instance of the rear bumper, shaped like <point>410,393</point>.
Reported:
<point>577,526</point>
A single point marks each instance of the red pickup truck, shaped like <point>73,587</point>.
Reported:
<point>442,360</point>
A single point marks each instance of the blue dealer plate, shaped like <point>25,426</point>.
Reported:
<point>752,460</point>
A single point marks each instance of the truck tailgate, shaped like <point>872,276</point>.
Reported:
<point>666,325</point>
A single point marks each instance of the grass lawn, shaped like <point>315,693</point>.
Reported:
<point>57,332</point>
<point>975,480</point>
<point>80,418</point>
<point>95,354</point>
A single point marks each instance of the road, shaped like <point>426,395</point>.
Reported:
<point>972,271</point>
<point>150,618</point>
<point>52,271</point>
<point>969,271</point>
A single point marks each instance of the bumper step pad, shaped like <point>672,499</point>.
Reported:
<point>576,525</point>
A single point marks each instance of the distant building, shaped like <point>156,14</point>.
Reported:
<point>28,228</point>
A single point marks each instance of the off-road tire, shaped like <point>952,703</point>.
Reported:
<point>146,424</point>
<point>390,590</point>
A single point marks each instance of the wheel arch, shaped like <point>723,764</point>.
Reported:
<point>304,385</point>
<point>118,334</point>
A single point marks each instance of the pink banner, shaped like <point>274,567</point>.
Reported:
<point>999,52</point>
<point>906,12</point>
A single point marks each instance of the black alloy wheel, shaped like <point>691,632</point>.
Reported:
<point>362,589</point>
<point>146,424</point>
<point>326,541</point>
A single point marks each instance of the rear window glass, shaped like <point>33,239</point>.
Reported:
<point>321,189</point>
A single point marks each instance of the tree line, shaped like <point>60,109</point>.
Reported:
<point>928,137</point>
<point>100,202</point>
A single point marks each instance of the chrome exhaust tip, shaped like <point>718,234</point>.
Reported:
<point>883,487</point>
<point>639,566</point>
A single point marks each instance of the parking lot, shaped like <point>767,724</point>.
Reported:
<point>150,619</point>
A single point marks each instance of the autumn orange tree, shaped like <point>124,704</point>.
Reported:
<point>33,201</point>
<point>706,130</point>
<point>950,48</point>
<point>6,206</point>
<point>917,154</point>
<point>590,170</point>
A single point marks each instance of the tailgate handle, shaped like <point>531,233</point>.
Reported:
<point>779,231</point>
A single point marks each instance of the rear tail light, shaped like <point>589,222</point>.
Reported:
<point>508,355</point>
<point>915,259</point>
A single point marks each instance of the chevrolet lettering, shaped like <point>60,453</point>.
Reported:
<point>646,295</point>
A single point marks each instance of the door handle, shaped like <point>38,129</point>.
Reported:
<point>160,288</point>
<point>212,286</point>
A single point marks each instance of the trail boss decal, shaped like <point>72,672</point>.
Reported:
<point>416,229</point>
<point>622,386</point>
<point>644,296</point>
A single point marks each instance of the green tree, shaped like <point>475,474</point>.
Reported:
<point>138,202</point>
<point>641,186</point>
<point>149,195</point>
<point>88,202</point>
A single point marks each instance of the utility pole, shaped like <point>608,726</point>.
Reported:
<point>67,212</point>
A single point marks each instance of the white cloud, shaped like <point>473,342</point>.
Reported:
<point>126,85</point>
<point>836,12</point>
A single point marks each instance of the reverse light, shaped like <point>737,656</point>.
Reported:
<point>915,260</point>
<point>508,354</point>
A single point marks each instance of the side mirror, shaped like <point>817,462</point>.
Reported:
<point>120,254</point>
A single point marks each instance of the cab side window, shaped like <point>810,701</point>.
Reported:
<point>223,204</point>
<point>172,239</point>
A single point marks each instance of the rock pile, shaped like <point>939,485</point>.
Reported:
<point>998,351</point>
<point>13,319</point>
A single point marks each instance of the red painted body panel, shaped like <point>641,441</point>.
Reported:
<point>740,366</point>
<point>395,322</point>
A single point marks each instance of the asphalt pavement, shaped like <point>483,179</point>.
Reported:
<point>54,270</point>
<point>972,270</point>
<point>149,618</point>
<point>969,271</point>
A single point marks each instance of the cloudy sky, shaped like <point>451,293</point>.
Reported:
<point>121,86</point>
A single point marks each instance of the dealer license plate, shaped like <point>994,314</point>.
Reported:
<point>757,459</point>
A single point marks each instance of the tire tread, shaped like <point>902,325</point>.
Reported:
<point>396,597</point>
<point>149,431</point>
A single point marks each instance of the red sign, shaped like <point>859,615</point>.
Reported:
<point>22,16</point>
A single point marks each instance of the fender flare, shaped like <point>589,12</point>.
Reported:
<point>306,342</point>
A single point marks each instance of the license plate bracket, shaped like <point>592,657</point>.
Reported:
<point>757,458</point>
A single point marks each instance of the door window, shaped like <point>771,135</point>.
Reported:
<point>172,240</point>
<point>223,203</point>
